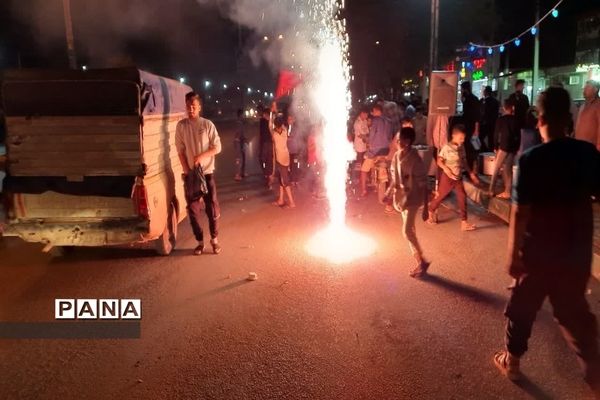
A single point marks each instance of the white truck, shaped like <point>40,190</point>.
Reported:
<point>91,157</point>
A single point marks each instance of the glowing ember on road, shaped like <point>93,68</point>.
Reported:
<point>337,242</point>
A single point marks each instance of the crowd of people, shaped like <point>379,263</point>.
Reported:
<point>551,225</point>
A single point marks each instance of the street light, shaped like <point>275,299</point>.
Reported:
<point>182,80</point>
<point>84,67</point>
<point>224,86</point>
<point>206,84</point>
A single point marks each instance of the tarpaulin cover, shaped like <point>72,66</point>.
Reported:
<point>124,91</point>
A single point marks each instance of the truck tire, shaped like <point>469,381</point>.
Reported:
<point>167,241</point>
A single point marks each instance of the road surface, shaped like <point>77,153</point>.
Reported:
<point>305,329</point>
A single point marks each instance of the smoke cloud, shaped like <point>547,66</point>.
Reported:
<point>166,37</point>
<point>287,35</point>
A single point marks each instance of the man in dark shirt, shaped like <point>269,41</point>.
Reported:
<point>470,119</point>
<point>490,108</point>
<point>550,240</point>
<point>521,102</point>
<point>506,143</point>
<point>265,148</point>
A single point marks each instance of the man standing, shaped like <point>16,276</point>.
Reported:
<point>239,143</point>
<point>588,121</point>
<point>471,117</point>
<point>521,102</point>
<point>490,108</point>
<point>361,135</point>
<point>550,240</point>
<point>198,142</point>
<point>420,125</point>
<point>380,135</point>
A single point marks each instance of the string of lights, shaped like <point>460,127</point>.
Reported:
<point>534,29</point>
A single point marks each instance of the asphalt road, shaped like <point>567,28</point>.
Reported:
<point>305,329</point>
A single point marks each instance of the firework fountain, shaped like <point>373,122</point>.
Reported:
<point>336,242</point>
<point>313,43</point>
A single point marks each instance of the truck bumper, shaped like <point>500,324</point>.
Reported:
<point>103,233</point>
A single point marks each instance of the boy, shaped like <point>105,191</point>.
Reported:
<point>282,159</point>
<point>409,186</point>
<point>452,160</point>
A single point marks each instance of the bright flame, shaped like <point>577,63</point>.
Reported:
<point>340,244</point>
<point>332,95</point>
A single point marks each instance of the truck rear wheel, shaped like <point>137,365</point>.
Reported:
<point>167,241</point>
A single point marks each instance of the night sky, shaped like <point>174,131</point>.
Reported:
<point>182,38</point>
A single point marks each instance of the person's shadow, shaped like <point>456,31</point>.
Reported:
<point>532,389</point>
<point>469,292</point>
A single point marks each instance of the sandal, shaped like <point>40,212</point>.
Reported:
<point>277,204</point>
<point>467,227</point>
<point>508,365</point>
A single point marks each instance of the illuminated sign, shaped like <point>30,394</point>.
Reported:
<point>586,67</point>
<point>477,75</point>
<point>479,62</point>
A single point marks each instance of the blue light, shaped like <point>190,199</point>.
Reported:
<point>502,49</point>
<point>555,13</point>
<point>490,50</point>
<point>517,42</point>
<point>472,49</point>
<point>533,31</point>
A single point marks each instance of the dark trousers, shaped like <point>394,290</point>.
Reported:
<point>211,206</point>
<point>471,153</point>
<point>294,167</point>
<point>566,291</point>
<point>486,135</point>
<point>240,158</point>
<point>266,158</point>
<point>447,185</point>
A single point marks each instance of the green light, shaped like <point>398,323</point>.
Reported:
<point>555,13</point>
<point>477,75</point>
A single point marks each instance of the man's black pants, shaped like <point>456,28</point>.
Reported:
<point>266,158</point>
<point>566,292</point>
<point>211,206</point>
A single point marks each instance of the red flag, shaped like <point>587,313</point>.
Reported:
<point>286,83</point>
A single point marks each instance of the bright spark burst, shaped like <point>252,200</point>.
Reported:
<point>337,242</point>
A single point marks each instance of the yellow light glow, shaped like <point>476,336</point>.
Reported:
<point>340,245</point>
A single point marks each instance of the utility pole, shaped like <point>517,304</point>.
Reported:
<point>69,34</point>
<point>536,55</point>
<point>433,44</point>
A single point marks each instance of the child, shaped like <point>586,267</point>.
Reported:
<point>282,159</point>
<point>409,185</point>
<point>452,160</point>
<point>507,141</point>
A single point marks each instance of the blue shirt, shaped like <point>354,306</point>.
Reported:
<point>380,135</point>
